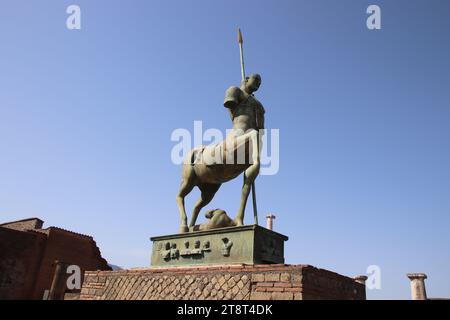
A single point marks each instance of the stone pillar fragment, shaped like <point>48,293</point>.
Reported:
<point>418,291</point>
<point>270,217</point>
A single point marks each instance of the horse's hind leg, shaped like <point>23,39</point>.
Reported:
<point>185,188</point>
<point>208,191</point>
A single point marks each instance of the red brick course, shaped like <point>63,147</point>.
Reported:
<point>222,282</point>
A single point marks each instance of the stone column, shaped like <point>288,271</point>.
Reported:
<point>270,217</point>
<point>362,280</point>
<point>418,291</point>
<point>59,281</point>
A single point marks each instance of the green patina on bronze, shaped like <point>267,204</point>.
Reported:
<point>250,244</point>
<point>209,167</point>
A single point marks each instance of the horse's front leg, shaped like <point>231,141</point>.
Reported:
<point>250,175</point>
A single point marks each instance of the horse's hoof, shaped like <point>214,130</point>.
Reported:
<point>238,222</point>
<point>184,228</point>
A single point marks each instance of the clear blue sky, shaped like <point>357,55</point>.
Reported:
<point>86,118</point>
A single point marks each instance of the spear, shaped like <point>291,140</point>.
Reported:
<point>241,51</point>
<point>253,189</point>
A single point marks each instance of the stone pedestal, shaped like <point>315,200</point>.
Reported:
<point>251,244</point>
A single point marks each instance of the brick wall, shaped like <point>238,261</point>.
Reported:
<point>71,248</point>
<point>27,257</point>
<point>235,282</point>
<point>20,258</point>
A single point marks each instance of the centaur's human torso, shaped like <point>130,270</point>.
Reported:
<point>247,114</point>
<point>245,110</point>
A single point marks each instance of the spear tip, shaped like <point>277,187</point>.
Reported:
<point>240,40</point>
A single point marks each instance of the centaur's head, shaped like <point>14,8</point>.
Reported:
<point>251,83</point>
